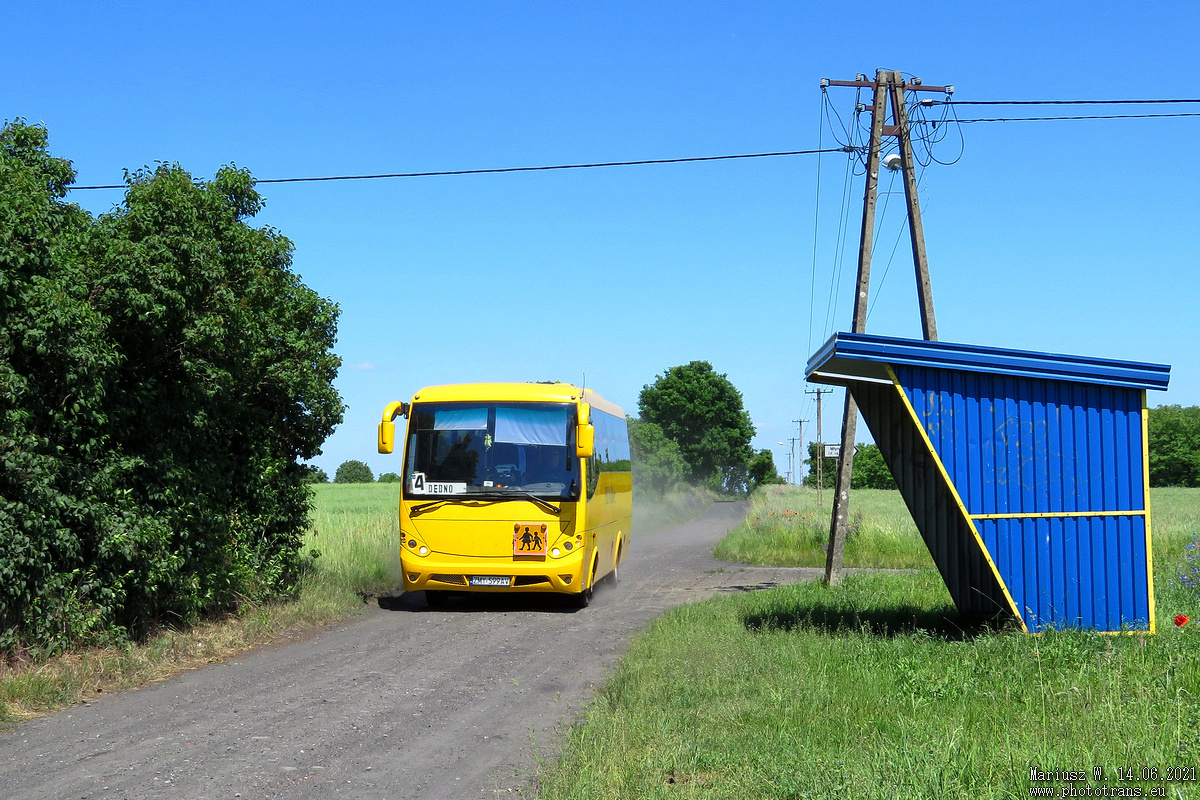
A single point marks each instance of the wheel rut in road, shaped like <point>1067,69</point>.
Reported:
<point>402,703</point>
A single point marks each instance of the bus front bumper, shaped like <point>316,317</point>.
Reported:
<point>534,574</point>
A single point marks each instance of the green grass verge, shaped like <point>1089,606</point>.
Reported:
<point>786,528</point>
<point>872,690</point>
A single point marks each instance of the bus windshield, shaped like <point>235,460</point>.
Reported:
<point>491,449</point>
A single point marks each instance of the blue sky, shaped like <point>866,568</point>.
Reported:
<point>1073,237</point>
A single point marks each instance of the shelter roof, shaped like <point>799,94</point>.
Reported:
<point>861,356</point>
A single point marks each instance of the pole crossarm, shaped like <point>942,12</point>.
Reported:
<point>914,85</point>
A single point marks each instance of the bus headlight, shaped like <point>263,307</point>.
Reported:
<point>412,544</point>
<point>556,552</point>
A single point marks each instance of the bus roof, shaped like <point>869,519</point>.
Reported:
<point>515,392</point>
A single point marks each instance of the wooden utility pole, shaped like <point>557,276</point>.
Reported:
<point>799,437</point>
<point>915,229</point>
<point>886,84</point>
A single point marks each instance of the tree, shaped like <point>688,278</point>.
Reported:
<point>828,467</point>
<point>163,373</point>
<point>316,474</point>
<point>657,463</point>
<point>702,412</point>
<point>226,381</point>
<point>389,477</point>
<point>762,469</point>
<point>353,472</point>
<point>869,470</point>
<point>1174,440</point>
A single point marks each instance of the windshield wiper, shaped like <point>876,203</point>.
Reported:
<point>517,494</point>
<point>426,506</point>
<point>546,504</point>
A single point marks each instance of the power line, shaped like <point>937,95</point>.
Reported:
<point>1054,102</point>
<point>1046,119</point>
<point>498,170</point>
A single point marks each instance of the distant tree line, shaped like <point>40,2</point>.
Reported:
<point>163,374</point>
<point>693,428</point>
<point>352,471</point>
<point>1174,436</point>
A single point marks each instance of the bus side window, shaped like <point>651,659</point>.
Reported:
<point>595,464</point>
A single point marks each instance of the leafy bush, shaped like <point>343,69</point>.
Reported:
<point>353,472</point>
<point>869,470</point>
<point>162,372</point>
<point>389,477</point>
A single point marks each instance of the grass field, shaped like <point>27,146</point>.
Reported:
<point>873,689</point>
<point>785,527</point>
<point>356,531</point>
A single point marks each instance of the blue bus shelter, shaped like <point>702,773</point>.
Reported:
<point>1026,473</point>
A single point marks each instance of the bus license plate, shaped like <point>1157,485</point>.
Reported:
<point>490,580</point>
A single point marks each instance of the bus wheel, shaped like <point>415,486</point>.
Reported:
<point>613,578</point>
<point>584,598</point>
<point>435,599</point>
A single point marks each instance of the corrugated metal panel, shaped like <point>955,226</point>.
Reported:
<point>1076,572</point>
<point>1029,489</point>
<point>947,531</point>
<point>1016,445</point>
<point>1032,447</point>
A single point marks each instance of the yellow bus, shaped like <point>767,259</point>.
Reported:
<point>511,487</point>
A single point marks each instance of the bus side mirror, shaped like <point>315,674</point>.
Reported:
<point>387,437</point>
<point>387,428</point>
<point>585,441</point>
<point>585,433</point>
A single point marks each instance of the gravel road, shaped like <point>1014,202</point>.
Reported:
<point>400,702</point>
